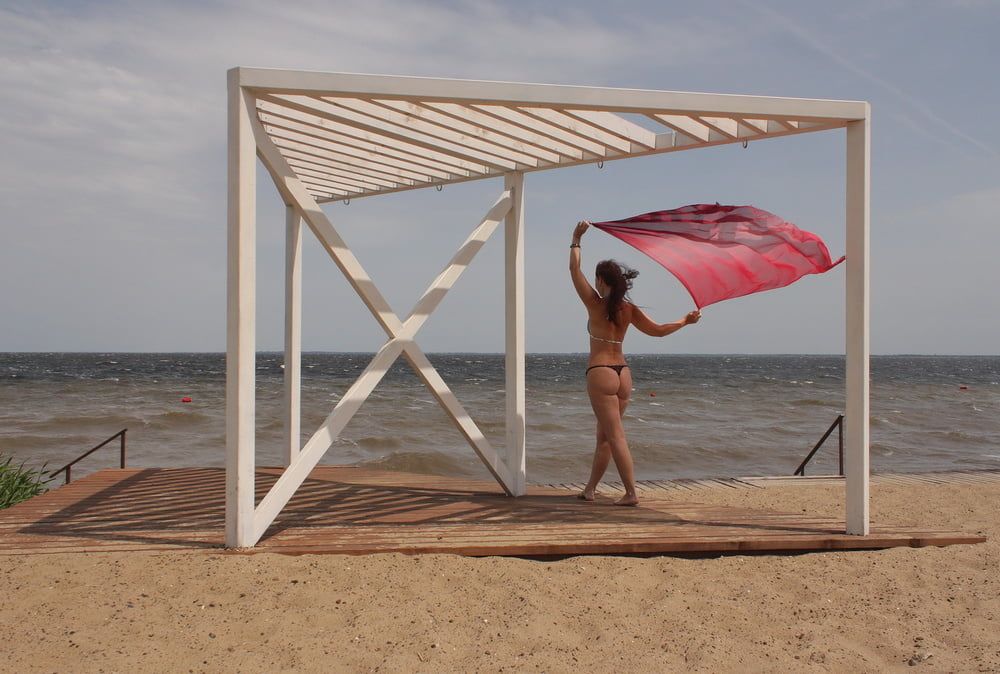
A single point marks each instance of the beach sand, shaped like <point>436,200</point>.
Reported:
<point>933,609</point>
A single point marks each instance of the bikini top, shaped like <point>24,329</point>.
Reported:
<point>601,339</point>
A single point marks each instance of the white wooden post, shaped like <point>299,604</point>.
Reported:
<point>856,464</point>
<point>514,324</point>
<point>240,318</point>
<point>293,333</point>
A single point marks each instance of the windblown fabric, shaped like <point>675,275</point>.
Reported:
<point>720,252</point>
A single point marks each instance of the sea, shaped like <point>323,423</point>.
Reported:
<point>689,416</point>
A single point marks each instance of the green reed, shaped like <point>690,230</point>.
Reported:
<point>18,483</point>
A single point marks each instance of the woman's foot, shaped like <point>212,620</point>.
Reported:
<point>586,495</point>
<point>628,500</point>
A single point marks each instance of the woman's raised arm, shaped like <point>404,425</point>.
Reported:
<point>580,282</point>
<point>646,325</point>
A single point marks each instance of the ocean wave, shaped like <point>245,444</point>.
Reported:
<point>427,463</point>
<point>377,442</point>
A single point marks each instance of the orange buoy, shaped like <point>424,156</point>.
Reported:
<point>652,394</point>
<point>185,399</point>
<point>963,387</point>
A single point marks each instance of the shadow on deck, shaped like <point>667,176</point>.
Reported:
<point>356,511</point>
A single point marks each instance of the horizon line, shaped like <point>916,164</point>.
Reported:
<point>528,353</point>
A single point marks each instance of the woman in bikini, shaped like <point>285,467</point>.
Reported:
<point>609,381</point>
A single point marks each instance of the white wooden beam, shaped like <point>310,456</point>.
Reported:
<point>666,142</point>
<point>691,128</point>
<point>724,125</point>
<point>373,154</point>
<point>400,133</point>
<point>487,133</point>
<point>514,333</point>
<point>752,127</point>
<point>331,186</point>
<point>579,127</point>
<point>293,334</point>
<point>856,414</point>
<point>363,167</point>
<point>317,187</point>
<point>502,126</point>
<point>545,95</point>
<point>619,126</point>
<point>535,125</point>
<point>368,137</point>
<point>416,123</point>
<point>400,337</point>
<point>335,169</point>
<point>361,184</point>
<point>240,317</point>
<point>293,192</point>
<point>317,445</point>
<point>439,389</point>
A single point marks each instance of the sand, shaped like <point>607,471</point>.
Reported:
<point>929,609</point>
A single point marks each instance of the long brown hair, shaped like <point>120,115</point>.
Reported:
<point>618,277</point>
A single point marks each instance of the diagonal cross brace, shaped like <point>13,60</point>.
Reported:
<point>401,335</point>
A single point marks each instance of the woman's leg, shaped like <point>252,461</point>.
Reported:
<point>602,457</point>
<point>608,390</point>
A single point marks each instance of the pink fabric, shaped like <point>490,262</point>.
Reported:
<point>720,252</point>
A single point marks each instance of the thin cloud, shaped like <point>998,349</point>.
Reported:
<point>815,41</point>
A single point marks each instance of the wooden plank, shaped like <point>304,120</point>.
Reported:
<point>400,133</point>
<point>466,137</point>
<point>500,125</point>
<point>581,128</point>
<point>349,510</point>
<point>362,153</point>
<point>485,127</point>
<point>344,134</point>
<point>514,93</point>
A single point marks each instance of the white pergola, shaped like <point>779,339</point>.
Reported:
<point>335,136</point>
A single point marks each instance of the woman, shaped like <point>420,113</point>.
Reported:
<point>609,381</point>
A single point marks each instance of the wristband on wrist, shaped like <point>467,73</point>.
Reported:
<point>574,245</point>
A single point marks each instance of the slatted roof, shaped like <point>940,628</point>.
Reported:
<point>348,135</point>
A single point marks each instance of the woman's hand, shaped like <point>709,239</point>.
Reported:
<point>581,227</point>
<point>692,317</point>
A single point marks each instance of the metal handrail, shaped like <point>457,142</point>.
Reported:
<point>69,466</point>
<point>838,424</point>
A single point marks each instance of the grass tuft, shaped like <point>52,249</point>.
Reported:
<point>18,483</point>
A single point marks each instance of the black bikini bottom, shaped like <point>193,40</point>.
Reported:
<point>616,368</point>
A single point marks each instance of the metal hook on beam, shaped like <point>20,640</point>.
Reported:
<point>347,202</point>
<point>745,143</point>
<point>600,164</point>
<point>439,187</point>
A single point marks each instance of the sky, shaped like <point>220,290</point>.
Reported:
<point>113,170</point>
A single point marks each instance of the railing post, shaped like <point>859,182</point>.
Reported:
<point>123,445</point>
<point>840,438</point>
<point>67,475</point>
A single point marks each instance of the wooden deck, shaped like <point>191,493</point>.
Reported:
<point>356,511</point>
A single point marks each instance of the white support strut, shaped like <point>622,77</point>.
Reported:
<point>514,331</point>
<point>293,334</point>
<point>400,333</point>
<point>240,319</point>
<point>856,419</point>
